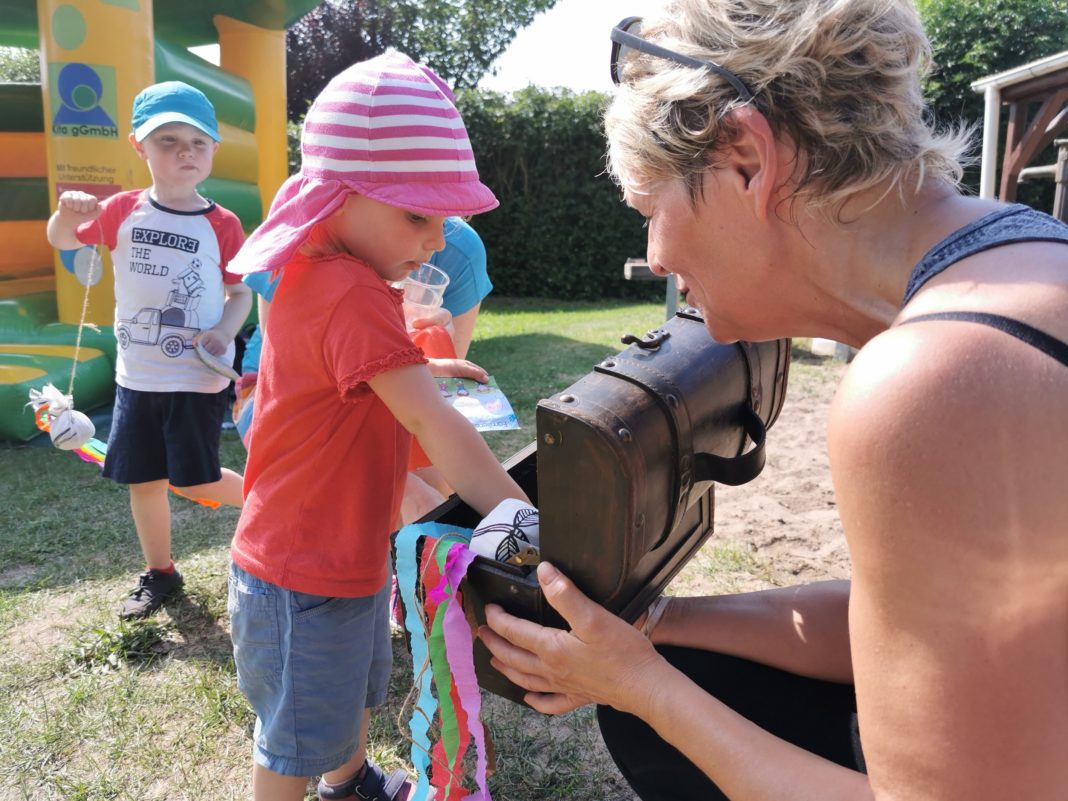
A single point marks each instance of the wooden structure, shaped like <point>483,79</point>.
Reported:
<point>635,269</point>
<point>1037,97</point>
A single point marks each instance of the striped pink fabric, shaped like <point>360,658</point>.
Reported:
<point>386,128</point>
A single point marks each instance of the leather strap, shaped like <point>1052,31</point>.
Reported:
<point>736,470</point>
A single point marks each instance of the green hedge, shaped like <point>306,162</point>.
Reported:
<point>562,230</point>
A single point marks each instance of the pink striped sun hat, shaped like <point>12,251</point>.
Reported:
<point>386,128</point>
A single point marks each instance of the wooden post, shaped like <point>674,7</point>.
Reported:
<point>1060,178</point>
<point>638,270</point>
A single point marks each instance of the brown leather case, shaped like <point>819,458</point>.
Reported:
<point>623,471</point>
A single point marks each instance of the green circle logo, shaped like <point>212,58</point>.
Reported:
<point>68,27</point>
<point>84,98</point>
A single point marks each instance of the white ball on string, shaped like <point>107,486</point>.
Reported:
<point>70,430</point>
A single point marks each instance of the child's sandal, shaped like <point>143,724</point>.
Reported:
<point>372,785</point>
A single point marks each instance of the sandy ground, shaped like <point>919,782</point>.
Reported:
<point>782,528</point>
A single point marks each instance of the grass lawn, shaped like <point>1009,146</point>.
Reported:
<point>95,709</point>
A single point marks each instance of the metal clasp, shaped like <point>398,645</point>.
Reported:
<point>651,341</point>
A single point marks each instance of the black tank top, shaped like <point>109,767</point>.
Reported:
<point>1015,223</point>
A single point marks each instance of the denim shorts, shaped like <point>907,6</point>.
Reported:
<point>172,435</point>
<point>309,666</point>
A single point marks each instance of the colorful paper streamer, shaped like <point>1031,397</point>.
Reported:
<point>430,593</point>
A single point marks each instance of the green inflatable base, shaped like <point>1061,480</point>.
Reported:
<point>36,350</point>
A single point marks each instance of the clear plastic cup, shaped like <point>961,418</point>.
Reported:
<point>424,290</point>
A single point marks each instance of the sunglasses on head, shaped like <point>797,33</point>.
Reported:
<point>626,38</point>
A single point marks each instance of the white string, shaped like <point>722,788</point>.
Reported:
<point>94,262</point>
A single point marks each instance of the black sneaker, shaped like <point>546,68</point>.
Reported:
<point>371,784</point>
<point>153,588</point>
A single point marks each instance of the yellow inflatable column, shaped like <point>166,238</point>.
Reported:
<point>259,56</point>
<point>96,57</point>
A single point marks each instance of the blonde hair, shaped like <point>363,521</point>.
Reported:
<point>840,78</point>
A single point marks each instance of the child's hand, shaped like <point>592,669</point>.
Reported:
<point>213,342</point>
<point>80,206</point>
<point>457,368</point>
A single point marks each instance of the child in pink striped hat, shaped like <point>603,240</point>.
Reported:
<point>386,159</point>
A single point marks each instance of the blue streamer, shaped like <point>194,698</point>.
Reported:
<point>407,580</point>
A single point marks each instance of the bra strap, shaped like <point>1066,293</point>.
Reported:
<point>1032,336</point>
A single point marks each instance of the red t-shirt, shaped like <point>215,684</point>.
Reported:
<point>327,459</point>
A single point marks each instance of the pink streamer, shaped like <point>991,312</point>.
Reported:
<point>459,648</point>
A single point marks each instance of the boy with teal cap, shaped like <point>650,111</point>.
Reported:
<point>170,247</point>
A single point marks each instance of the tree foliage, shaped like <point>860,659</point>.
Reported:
<point>971,39</point>
<point>459,39</point>
<point>19,65</point>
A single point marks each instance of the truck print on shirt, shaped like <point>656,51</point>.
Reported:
<point>171,328</point>
<point>163,327</point>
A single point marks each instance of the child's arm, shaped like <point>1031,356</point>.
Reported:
<point>74,209</point>
<point>235,311</point>
<point>451,442</point>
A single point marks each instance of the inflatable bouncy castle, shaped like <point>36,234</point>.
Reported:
<point>70,132</point>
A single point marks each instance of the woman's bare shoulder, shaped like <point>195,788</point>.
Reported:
<point>962,420</point>
<point>946,443</point>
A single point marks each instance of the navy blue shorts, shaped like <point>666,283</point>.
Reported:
<point>165,435</point>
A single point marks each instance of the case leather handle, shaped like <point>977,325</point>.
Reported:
<point>736,470</point>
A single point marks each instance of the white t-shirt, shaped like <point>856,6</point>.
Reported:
<point>170,268</point>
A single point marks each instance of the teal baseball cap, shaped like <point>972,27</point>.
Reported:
<point>173,101</point>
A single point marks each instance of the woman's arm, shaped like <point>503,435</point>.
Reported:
<point>804,630</point>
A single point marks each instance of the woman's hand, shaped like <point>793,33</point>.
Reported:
<point>602,659</point>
